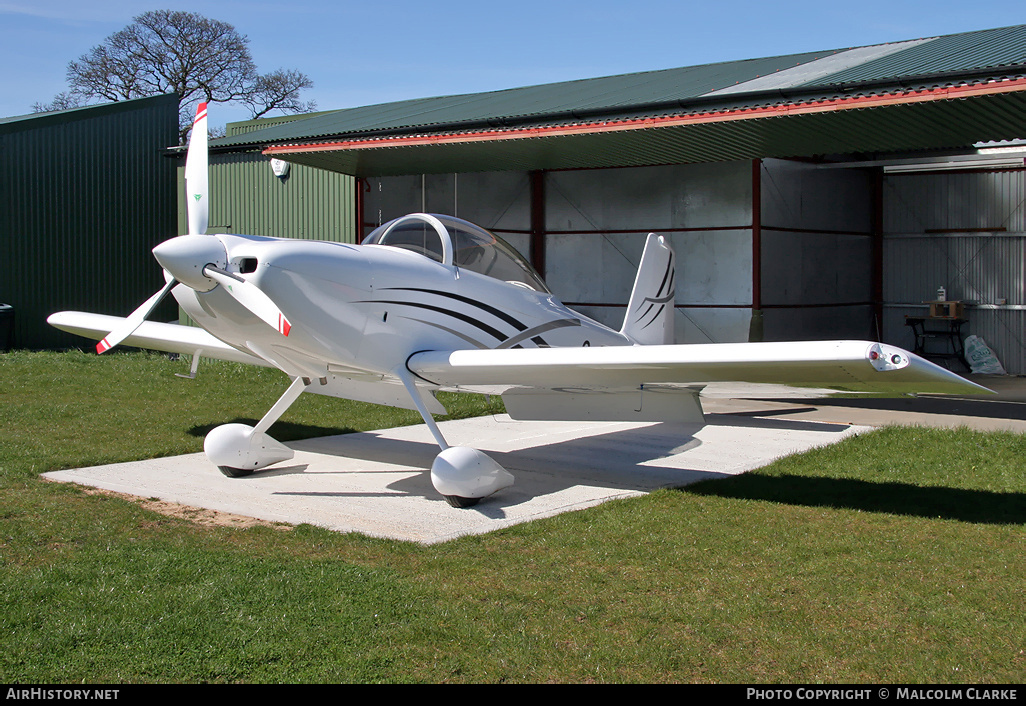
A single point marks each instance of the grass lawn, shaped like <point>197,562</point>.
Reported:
<point>895,556</point>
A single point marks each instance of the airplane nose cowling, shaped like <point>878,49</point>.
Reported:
<point>186,256</point>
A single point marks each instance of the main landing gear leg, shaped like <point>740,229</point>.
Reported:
<point>239,449</point>
<point>461,474</point>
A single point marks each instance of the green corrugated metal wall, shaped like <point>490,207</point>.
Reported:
<point>246,197</point>
<point>84,196</point>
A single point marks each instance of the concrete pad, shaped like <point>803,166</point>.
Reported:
<point>376,483</point>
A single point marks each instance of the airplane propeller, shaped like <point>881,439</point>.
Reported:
<point>198,208</point>
<point>246,293</point>
<point>196,174</point>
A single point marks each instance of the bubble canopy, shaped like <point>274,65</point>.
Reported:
<point>452,241</point>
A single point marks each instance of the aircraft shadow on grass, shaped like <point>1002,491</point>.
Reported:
<point>925,404</point>
<point>977,506</point>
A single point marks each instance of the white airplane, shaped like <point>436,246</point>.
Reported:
<point>430,302</point>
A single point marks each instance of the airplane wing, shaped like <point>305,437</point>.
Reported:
<point>662,382</point>
<point>172,338</point>
<point>190,340</point>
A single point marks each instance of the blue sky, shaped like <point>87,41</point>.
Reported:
<point>359,53</point>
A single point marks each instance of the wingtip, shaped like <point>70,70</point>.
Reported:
<point>980,389</point>
<point>948,381</point>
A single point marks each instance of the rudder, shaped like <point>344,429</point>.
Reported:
<point>649,318</point>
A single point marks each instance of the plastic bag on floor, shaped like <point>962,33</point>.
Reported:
<point>981,358</point>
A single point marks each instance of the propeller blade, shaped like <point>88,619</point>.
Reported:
<point>251,297</point>
<point>134,320</point>
<point>196,174</point>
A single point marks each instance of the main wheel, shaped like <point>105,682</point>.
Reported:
<point>457,501</point>
<point>234,472</point>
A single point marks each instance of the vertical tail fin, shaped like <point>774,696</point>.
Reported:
<point>649,318</point>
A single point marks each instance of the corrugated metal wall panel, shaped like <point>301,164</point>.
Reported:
<point>829,322</point>
<point>1004,331</point>
<point>956,201</point>
<point>973,268</point>
<point>85,196</point>
<point>592,255</point>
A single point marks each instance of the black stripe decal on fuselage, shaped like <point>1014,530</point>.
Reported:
<point>499,313</point>
<point>504,341</point>
<point>533,333</point>
<point>494,311</point>
<point>454,332</point>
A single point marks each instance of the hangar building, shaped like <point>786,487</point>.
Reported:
<point>817,195</point>
<point>84,195</point>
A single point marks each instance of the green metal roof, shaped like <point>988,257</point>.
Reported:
<point>244,126</point>
<point>34,121</point>
<point>499,108</point>
<point>390,138</point>
<point>959,54</point>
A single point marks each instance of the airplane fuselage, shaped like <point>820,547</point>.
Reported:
<point>368,308</point>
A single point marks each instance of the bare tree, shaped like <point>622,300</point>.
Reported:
<point>62,101</point>
<point>165,51</point>
<point>279,90</point>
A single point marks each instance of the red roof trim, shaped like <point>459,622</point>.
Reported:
<point>823,106</point>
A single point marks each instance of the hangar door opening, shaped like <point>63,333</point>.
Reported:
<point>766,250</point>
<point>964,231</point>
